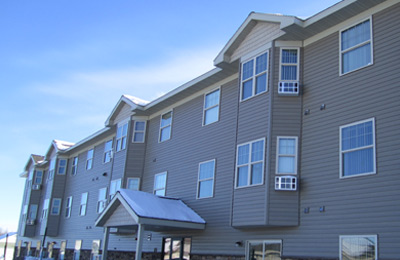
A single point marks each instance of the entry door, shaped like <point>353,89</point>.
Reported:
<point>176,248</point>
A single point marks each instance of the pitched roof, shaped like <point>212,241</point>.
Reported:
<point>62,145</point>
<point>133,102</point>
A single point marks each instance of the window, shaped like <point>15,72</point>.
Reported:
<point>82,208</point>
<point>165,126</point>
<point>289,65</point>
<point>356,47</point>
<point>139,131</point>
<point>357,149</point>
<point>102,201</point>
<point>55,207</point>
<point>45,208</point>
<point>133,183</point>
<point>250,163</point>
<point>286,160</point>
<point>33,212</point>
<point>89,159</point>
<point>160,183</point>
<point>74,168</point>
<point>122,132</point>
<point>264,250</point>
<point>359,247</point>
<point>68,207</point>
<point>211,107</point>
<point>52,166</point>
<point>114,187</point>
<point>38,177</point>
<point>205,185</point>
<point>254,76</point>
<point>62,166</point>
<point>107,151</point>
<point>77,249</point>
<point>176,248</point>
<point>25,212</point>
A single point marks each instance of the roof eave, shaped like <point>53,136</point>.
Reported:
<point>109,122</point>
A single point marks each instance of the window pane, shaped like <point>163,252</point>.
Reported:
<point>289,56</point>
<point>261,63</point>
<point>206,170</point>
<point>133,184</point>
<point>272,251</point>
<point>256,251</point>
<point>289,72</point>
<point>356,58</point>
<point>138,137</point>
<point>358,248</point>
<point>160,181</point>
<point>165,133</point>
<point>166,119</point>
<point>139,126</point>
<point>261,83</point>
<point>212,99</point>
<point>242,176</point>
<point>358,162</point>
<point>247,70</point>
<point>206,188</point>
<point>247,90</point>
<point>243,154</point>
<point>186,248</point>
<point>287,146</point>
<point>286,164</point>
<point>256,173</point>
<point>211,115</point>
<point>357,136</point>
<point>257,150</point>
<point>356,35</point>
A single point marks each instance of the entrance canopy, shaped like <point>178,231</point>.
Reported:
<point>132,208</point>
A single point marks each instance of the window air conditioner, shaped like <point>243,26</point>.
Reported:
<point>286,183</point>
<point>289,88</point>
<point>36,187</point>
<point>30,222</point>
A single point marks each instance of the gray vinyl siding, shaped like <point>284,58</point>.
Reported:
<point>358,205</point>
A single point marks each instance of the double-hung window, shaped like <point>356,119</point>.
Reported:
<point>38,177</point>
<point>250,163</point>
<point>68,207</point>
<point>74,168</point>
<point>62,166</point>
<point>83,205</point>
<point>102,200</point>
<point>286,162</point>
<point>263,249</point>
<point>211,107</point>
<point>356,47</point>
<point>122,132</point>
<point>357,148</point>
<point>133,183</point>
<point>89,159</point>
<point>165,126</point>
<point>359,247</point>
<point>56,207</point>
<point>115,186</point>
<point>254,78</point>
<point>289,69</point>
<point>52,167</point>
<point>160,183</point>
<point>32,212</point>
<point>45,209</point>
<point>205,186</point>
<point>107,151</point>
<point>139,131</point>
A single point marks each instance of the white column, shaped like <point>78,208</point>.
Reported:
<point>139,243</point>
<point>105,242</point>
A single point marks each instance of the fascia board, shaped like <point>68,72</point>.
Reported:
<point>87,139</point>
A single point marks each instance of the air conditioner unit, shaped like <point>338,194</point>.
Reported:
<point>36,187</point>
<point>286,183</point>
<point>30,222</point>
<point>289,88</point>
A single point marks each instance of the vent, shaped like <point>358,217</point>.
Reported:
<point>289,88</point>
<point>36,187</point>
<point>31,222</point>
<point>286,183</point>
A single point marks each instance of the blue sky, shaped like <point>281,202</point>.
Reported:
<point>65,64</point>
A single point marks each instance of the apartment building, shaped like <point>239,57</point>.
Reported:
<point>286,150</point>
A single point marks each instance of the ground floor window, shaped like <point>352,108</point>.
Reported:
<point>77,249</point>
<point>176,248</point>
<point>264,250</point>
<point>359,247</point>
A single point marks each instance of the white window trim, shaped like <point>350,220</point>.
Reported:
<point>142,131</point>
<point>254,76</point>
<point>170,132</point>
<point>110,196</point>
<point>133,178</point>
<point>250,163</point>
<point>52,206</point>
<point>165,185</point>
<point>286,155</point>
<point>341,153</point>
<point>59,165</point>
<point>212,178</point>
<point>108,151</point>
<point>121,124</point>
<point>291,64</point>
<point>35,178</point>
<point>354,236</point>
<point>68,206</point>
<point>74,167</point>
<point>86,202</point>
<point>271,241</point>
<point>51,170</point>
<point>217,105</point>
<point>87,159</point>
<point>45,209</point>
<point>354,47</point>
<point>104,201</point>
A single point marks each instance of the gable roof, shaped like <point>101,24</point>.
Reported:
<point>153,211</point>
<point>133,102</point>
<point>58,146</point>
<point>33,159</point>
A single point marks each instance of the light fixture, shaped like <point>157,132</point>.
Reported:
<point>322,107</point>
<point>307,112</point>
<point>104,174</point>
<point>238,243</point>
